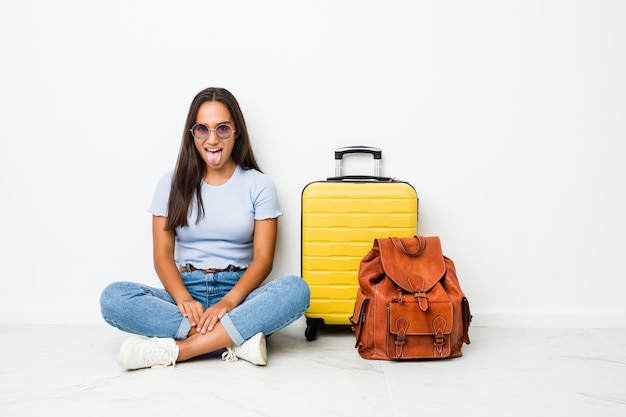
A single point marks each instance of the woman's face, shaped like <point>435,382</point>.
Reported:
<point>215,152</point>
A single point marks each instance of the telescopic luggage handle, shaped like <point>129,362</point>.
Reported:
<point>340,152</point>
<point>376,154</point>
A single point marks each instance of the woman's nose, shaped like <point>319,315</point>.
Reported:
<point>212,138</point>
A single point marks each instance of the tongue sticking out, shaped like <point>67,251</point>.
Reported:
<point>213,157</point>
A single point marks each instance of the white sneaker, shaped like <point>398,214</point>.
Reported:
<point>253,350</point>
<point>142,352</point>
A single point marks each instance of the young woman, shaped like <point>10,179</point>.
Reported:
<point>214,229</point>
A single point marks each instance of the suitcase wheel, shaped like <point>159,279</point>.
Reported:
<point>312,326</point>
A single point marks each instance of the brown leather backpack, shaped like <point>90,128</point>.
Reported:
<point>409,304</point>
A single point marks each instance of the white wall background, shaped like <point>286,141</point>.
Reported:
<point>508,117</point>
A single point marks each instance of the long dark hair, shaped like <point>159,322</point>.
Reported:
<point>191,168</point>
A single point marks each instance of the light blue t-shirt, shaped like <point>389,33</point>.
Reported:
<point>224,235</point>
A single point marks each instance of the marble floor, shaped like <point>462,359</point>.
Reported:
<point>71,370</point>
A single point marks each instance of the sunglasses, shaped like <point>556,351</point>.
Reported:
<point>201,131</point>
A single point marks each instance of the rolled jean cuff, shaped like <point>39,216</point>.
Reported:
<point>183,329</point>
<point>231,330</point>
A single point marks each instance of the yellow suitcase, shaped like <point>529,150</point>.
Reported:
<point>341,217</point>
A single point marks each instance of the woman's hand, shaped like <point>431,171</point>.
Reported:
<point>191,309</point>
<point>211,316</point>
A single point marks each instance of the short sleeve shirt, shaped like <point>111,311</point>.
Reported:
<point>224,235</point>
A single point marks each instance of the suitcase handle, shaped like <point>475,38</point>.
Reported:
<point>340,152</point>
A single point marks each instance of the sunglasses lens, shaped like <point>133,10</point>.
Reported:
<point>200,131</point>
<point>223,131</point>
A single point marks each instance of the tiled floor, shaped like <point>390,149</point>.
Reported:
<point>71,370</point>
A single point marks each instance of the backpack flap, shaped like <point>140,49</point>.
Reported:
<point>414,264</point>
<point>405,319</point>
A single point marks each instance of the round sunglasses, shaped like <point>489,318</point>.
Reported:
<point>201,131</point>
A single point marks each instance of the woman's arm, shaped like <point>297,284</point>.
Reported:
<point>264,244</point>
<point>163,242</point>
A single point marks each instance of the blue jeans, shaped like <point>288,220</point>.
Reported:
<point>149,311</point>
